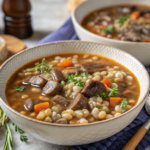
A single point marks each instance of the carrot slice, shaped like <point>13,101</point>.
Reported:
<point>39,107</point>
<point>65,63</point>
<point>107,82</point>
<point>113,101</point>
<point>135,15</point>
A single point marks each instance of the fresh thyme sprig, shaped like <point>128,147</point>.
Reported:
<point>20,131</point>
<point>43,67</point>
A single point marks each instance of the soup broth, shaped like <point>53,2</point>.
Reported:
<point>126,23</point>
<point>72,89</point>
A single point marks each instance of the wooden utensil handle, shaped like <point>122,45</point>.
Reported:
<point>132,144</point>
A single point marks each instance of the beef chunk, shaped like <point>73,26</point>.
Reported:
<point>29,104</point>
<point>79,102</point>
<point>70,70</point>
<point>52,88</point>
<point>91,67</point>
<point>60,101</point>
<point>57,75</point>
<point>62,121</point>
<point>93,87</point>
<point>36,80</point>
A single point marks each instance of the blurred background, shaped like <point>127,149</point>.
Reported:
<point>47,16</point>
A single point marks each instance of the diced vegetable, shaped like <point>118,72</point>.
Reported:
<point>113,101</point>
<point>135,15</point>
<point>107,82</point>
<point>65,63</point>
<point>39,107</point>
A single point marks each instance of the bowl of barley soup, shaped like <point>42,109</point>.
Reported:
<point>72,87</point>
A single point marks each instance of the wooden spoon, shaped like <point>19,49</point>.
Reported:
<point>135,140</point>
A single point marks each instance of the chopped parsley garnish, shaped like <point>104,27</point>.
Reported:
<point>20,88</point>
<point>85,74</point>
<point>122,19</point>
<point>43,67</point>
<point>79,83</point>
<point>30,69</point>
<point>112,80</point>
<point>113,92</point>
<point>123,104</point>
<point>109,29</point>
<point>102,95</point>
<point>98,107</point>
<point>71,78</point>
<point>63,82</point>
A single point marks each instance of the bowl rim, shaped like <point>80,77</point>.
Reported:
<point>73,16</point>
<point>74,125</point>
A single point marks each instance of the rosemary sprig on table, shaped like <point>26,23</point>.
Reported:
<point>8,139</point>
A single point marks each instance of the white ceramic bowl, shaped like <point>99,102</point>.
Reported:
<point>73,134</point>
<point>139,50</point>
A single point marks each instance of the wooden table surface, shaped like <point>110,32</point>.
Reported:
<point>47,16</point>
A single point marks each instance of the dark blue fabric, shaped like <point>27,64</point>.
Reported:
<point>117,141</point>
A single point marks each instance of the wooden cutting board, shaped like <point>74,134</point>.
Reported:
<point>13,44</point>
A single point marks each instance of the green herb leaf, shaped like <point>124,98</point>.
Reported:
<point>37,64</point>
<point>30,70</point>
<point>123,104</point>
<point>63,82</point>
<point>85,74</point>
<point>98,107</point>
<point>112,80</point>
<point>43,61</point>
<point>20,131</point>
<point>23,138</point>
<point>122,19</point>
<point>109,29</point>
<point>43,67</point>
<point>79,83</point>
<point>113,92</point>
<point>71,79</point>
<point>20,88</point>
<point>102,95</point>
